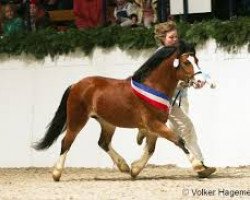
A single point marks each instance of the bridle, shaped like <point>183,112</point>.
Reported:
<point>187,63</point>
<point>190,79</point>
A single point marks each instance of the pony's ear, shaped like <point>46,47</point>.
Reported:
<point>192,48</point>
<point>185,47</point>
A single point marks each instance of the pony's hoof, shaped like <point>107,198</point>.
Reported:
<point>56,175</point>
<point>135,171</point>
<point>124,168</point>
<point>181,144</point>
<point>206,172</point>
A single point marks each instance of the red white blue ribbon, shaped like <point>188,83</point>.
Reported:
<point>151,96</point>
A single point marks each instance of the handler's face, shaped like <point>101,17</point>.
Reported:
<point>171,38</point>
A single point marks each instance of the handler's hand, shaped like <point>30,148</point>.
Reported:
<point>198,84</point>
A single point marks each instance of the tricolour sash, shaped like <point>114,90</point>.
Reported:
<point>151,96</point>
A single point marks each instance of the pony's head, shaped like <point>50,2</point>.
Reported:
<point>188,69</point>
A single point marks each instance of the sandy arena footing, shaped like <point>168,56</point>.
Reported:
<point>155,182</point>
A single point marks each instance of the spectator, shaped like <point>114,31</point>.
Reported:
<point>125,13</point>
<point>88,13</point>
<point>17,3</point>
<point>146,12</point>
<point>38,17</point>
<point>11,22</point>
<point>134,20</point>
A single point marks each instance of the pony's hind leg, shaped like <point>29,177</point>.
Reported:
<point>137,166</point>
<point>77,118</point>
<point>65,146</point>
<point>104,142</point>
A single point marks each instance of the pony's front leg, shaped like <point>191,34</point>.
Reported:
<point>162,130</point>
<point>137,166</point>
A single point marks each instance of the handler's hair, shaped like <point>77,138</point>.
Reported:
<point>162,29</point>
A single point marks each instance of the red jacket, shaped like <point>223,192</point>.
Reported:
<point>88,13</point>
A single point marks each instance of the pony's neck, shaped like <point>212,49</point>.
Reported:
<point>164,77</point>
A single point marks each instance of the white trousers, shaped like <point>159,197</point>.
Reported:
<point>181,124</point>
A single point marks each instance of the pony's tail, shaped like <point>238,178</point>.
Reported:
<point>56,126</point>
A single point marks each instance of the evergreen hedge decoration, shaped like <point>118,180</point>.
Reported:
<point>229,35</point>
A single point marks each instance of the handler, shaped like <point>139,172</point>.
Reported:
<point>166,34</point>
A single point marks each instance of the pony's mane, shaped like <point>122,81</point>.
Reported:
<point>152,63</point>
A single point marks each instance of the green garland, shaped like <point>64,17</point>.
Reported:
<point>230,35</point>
